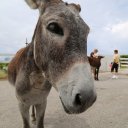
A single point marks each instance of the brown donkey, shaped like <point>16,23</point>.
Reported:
<point>95,64</point>
<point>55,57</point>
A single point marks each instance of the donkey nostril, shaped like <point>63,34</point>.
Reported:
<point>78,99</point>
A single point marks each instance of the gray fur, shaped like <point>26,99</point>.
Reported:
<point>55,57</point>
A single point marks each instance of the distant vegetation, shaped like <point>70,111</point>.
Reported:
<point>123,56</point>
<point>4,67</point>
<point>3,75</point>
<point>123,61</point>
<point>3,70</point>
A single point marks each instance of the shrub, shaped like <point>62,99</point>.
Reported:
<point>4,66</point>
<point>123,56</point>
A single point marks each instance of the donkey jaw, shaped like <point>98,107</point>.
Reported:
<point>66,110</point>
<point>77,92</point>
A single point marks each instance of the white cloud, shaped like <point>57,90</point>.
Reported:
<point>18,22</point>
<point>120,29</point>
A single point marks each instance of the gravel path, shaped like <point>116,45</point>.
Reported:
<point>109,111</point>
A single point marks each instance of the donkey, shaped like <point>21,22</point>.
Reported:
<point>55,57</point>
<point>95,63</point>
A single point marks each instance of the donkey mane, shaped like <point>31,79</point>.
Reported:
<point>24,55</point>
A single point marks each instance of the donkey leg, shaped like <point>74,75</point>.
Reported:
<point>40,111</point>
<point>96,70</point>
<point>97,73</point>
<point>24,110</point>
<point>33,114</point>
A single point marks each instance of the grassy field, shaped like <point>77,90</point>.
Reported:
<point>3,74</point>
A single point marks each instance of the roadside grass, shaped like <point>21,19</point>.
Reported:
<point>124,67</point>
<point>3,74</point>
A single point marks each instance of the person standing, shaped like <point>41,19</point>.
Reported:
<point>115,65</point>
<point>94,53</point>
<point>95,59</point>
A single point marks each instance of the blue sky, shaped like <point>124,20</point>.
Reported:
<point>108,21</point>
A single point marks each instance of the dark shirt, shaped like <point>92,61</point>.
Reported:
<point>91,54</point>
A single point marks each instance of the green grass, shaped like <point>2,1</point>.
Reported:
<point>124,67</point>
<point>3,74</point>
<point>124,56</point>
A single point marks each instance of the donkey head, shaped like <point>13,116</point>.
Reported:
<point>60,43</point>
<point>100,57</point>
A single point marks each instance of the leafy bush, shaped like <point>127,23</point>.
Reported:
<point>4,66</point>
<point>123,56</point>
<point>123,61</point>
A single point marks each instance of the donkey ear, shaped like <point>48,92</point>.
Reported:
<point>40,4</point>
<point>39,47</point>
<point>35,4</point>
<point>32,4</point>
<point>78,7</point>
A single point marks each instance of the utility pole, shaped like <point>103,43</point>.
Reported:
<point>26,42</point>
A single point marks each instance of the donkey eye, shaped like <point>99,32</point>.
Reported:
<point>55,28</point>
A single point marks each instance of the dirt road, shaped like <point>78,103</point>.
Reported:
<point>109,111</point>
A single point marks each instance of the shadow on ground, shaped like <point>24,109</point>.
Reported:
<point>63,121</point>
<point>60,120</point>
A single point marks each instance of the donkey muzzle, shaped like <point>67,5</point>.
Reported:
<point>77,91</point>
